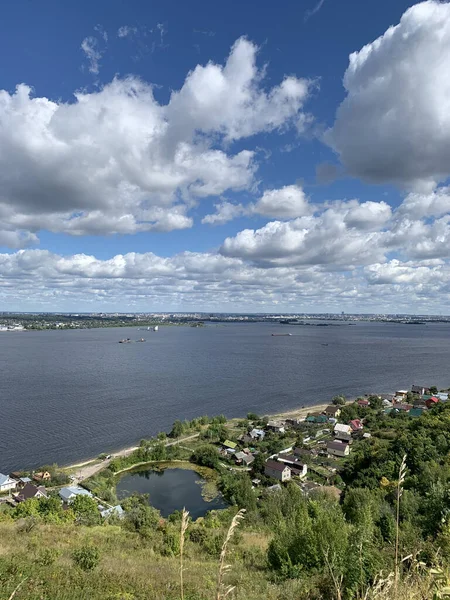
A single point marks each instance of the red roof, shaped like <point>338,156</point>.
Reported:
<point>433,399</point>
<point>363,402</point>
<point>356,424</point>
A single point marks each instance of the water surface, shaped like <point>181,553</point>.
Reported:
<point>69,395</point>
<point>169,490</point>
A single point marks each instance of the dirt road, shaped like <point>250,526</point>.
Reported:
<point>89,468</point>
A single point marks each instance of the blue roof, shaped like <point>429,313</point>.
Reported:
<point>5,479</point>
<point>67,492</point>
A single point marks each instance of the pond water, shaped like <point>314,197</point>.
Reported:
<point>170,490</point>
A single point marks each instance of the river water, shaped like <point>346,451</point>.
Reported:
<point>69,395</point>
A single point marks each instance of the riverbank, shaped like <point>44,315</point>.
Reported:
<point>91,467</point>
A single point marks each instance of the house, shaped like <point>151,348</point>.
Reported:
<point>420,403</point>
<point>341,428</point>
<point>294,423</point>
<point>419,389</point>
<point>277,470</point>
<point>443,396</point>
<point>248,459</point>
<point>257,434</point>
<point>362,402</point>
<point>42,476</point>
<point>297,467</point>
<point>302,452</point>
<point>432,401</point>
<point>31,491</point>
<point>274,488</point>
<point>344,437</point>
<point>321,419</point>
<point>401,394</point>
<point>356,425</point>
<point>332,411</point>
<point>417,411</point>
<point>67,494</point>
<point>275,426</point>
<point>403,407</point>
<point>338,449</point>
<point>229,445</point>
<point>7,483</point>
<point>366,436</point>
<point>387,397</point>
<point>114,510</point>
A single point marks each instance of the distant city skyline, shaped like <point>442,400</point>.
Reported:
<point>190,157</point>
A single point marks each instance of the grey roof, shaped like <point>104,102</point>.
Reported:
<point>25,480</point>
<point>240,455</point>
<point>114,510</point>
<point>66,493</point>
<point>276,466</point>
<point>336,446</point>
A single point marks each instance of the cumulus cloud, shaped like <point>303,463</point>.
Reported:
<point>342,233</point>
<point>394,124</point>
<point>32,279</point>
<point>225,211</point>
<point>287,202</point>
<point>118,161</point>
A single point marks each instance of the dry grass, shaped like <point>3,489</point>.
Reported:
<point>223,592</point>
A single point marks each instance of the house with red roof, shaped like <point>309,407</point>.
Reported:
<point>432,401</point>
<point>356,425</point>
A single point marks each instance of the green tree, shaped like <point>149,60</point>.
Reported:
<point>86,510</point>
<point>206,456</point>
<point>339,400</point>
<point>177,429</point>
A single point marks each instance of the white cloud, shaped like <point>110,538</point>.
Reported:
<point>225,211</point>
<point>230,100</point>
<point>38,279</point>
<point>118,161</point>
<point>287,202</point>
<point>90,48</point>
<point>311,12</point>
<point>342,233</point>
<point>394,124</point>
<point>126,31</point>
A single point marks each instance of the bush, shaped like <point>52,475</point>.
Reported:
<point>86,557</point>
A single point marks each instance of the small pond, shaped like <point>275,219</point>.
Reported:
<point>170,490</point>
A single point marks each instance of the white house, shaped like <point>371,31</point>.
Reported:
<point>277,470</point>
<point>341,428</point>
<point>6,483</point>
<point>338,449</point>
<point>297,467</point>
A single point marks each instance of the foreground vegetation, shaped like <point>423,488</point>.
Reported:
<point>386,536</point>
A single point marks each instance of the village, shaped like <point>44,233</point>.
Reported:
<point>309,449</point>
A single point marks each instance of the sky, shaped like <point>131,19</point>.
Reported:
<point>203,156</point>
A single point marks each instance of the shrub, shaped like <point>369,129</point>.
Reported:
<point>86,557</point>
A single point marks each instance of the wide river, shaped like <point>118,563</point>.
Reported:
<point>68,395</point>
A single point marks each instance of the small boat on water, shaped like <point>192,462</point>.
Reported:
<point>281,334</point>
<point>141,340</point>
<point>125,341</point>
<point>155,328</point>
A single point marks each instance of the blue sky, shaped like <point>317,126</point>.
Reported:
<point>58,203</point>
